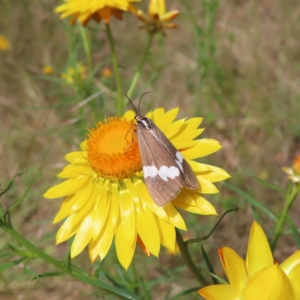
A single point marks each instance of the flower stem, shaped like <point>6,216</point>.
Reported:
<point>183,247</point>
<point>141,66</point>
<point>75,272</point>
<point>120,106</point>
<point>291,196</point>
<point>87,47</point>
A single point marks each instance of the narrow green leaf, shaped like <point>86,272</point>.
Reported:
<point>219,279</point>
<point>208,264</point>
<point>7,254</point>
<point>9,184</point>
<point>50,274</point>
<point>251,200</point>
<point>186,292</point>
<point>264,183</point>
<point>11,263</point>
<point>123,293</point>
<point>147,295</point>
<point>294,231</point>
<point>31,272</point>
<point>24,196</point>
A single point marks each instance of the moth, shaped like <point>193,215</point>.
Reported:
<point>166,171</point>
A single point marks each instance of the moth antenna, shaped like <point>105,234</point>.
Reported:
<point>141,99</point>
<point>136,112</point>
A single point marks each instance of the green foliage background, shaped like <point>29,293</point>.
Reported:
<point>236,63</point>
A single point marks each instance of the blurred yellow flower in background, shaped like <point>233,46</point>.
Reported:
<point>294,171</point>
<point>85,10</point>
<point>106,196</point>
<point>157,19</point>
<point>73,75</point>
<point>4,43</point>
<point>47,70</point>
<point>107,72</point>
<point>259,277</point>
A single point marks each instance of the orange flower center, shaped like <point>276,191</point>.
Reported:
<point>113,149</point>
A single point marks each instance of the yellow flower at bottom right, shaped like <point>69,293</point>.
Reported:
<point>259,276</point>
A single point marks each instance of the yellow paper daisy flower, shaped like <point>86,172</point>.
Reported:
<point>106,196</point>
<point>4,43</point>
<point>47,70</point>
<point>85,10</point>
<point>259,277</point>
<point>157,19</point>
<point>74,75</point>
<point>294,171</point>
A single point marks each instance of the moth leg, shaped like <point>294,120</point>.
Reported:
<point>133,131</point>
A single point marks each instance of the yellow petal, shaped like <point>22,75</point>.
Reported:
<point>75,170</point>
<point>83,146</point>
<point>188,131</point>
<point>259,255</point>
<point>291,267</point>
<point>157,7</point>
<point>203,147</point>
<point>129,115</point>
<point>83,235</point>
<point>214,174</point>
<point>167,119</point>
<point>169,15</point>
<point>167,234</point>
<point>183,144</point>
<point>144,194</point>
<point>106,240</point>
<point>206,207</point>
<point>174,216</point>
<point>291,262</point>
<point>75,219</point>
<point>77,201</point>
<point>283,289</point>
<point>101,212</point>
<point>185,197</point>
<point>66,188</point>
<point>186,207</point>
<point>219,292</point>
<point>115,211</point>
<point>173,128</point>
<point>235,269</point>
<point>193,123</point>
<point>147,228</point>
<point>124,250</point>
<point>156,114</point>
<point>67,230</point>
<point>197,167</point>
<point>269,284</point>
<point>93,250</point>
<point>206,187</point>
<point>186,200</point>
<point>133,193</point>
<point>127,213</point>
<point>185,137</point>
<point>76,157</point>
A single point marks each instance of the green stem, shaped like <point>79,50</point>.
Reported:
<point>141,66</point>
<point>291,196</point>
<point>75,272</point>
<point>183,247</point>
<point>120,105</point>
<point>87,47</point>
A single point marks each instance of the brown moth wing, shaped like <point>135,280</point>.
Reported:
<point>153,153</point>
<point>190,180</point>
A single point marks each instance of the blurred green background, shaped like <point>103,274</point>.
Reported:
<point>236,63</point>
